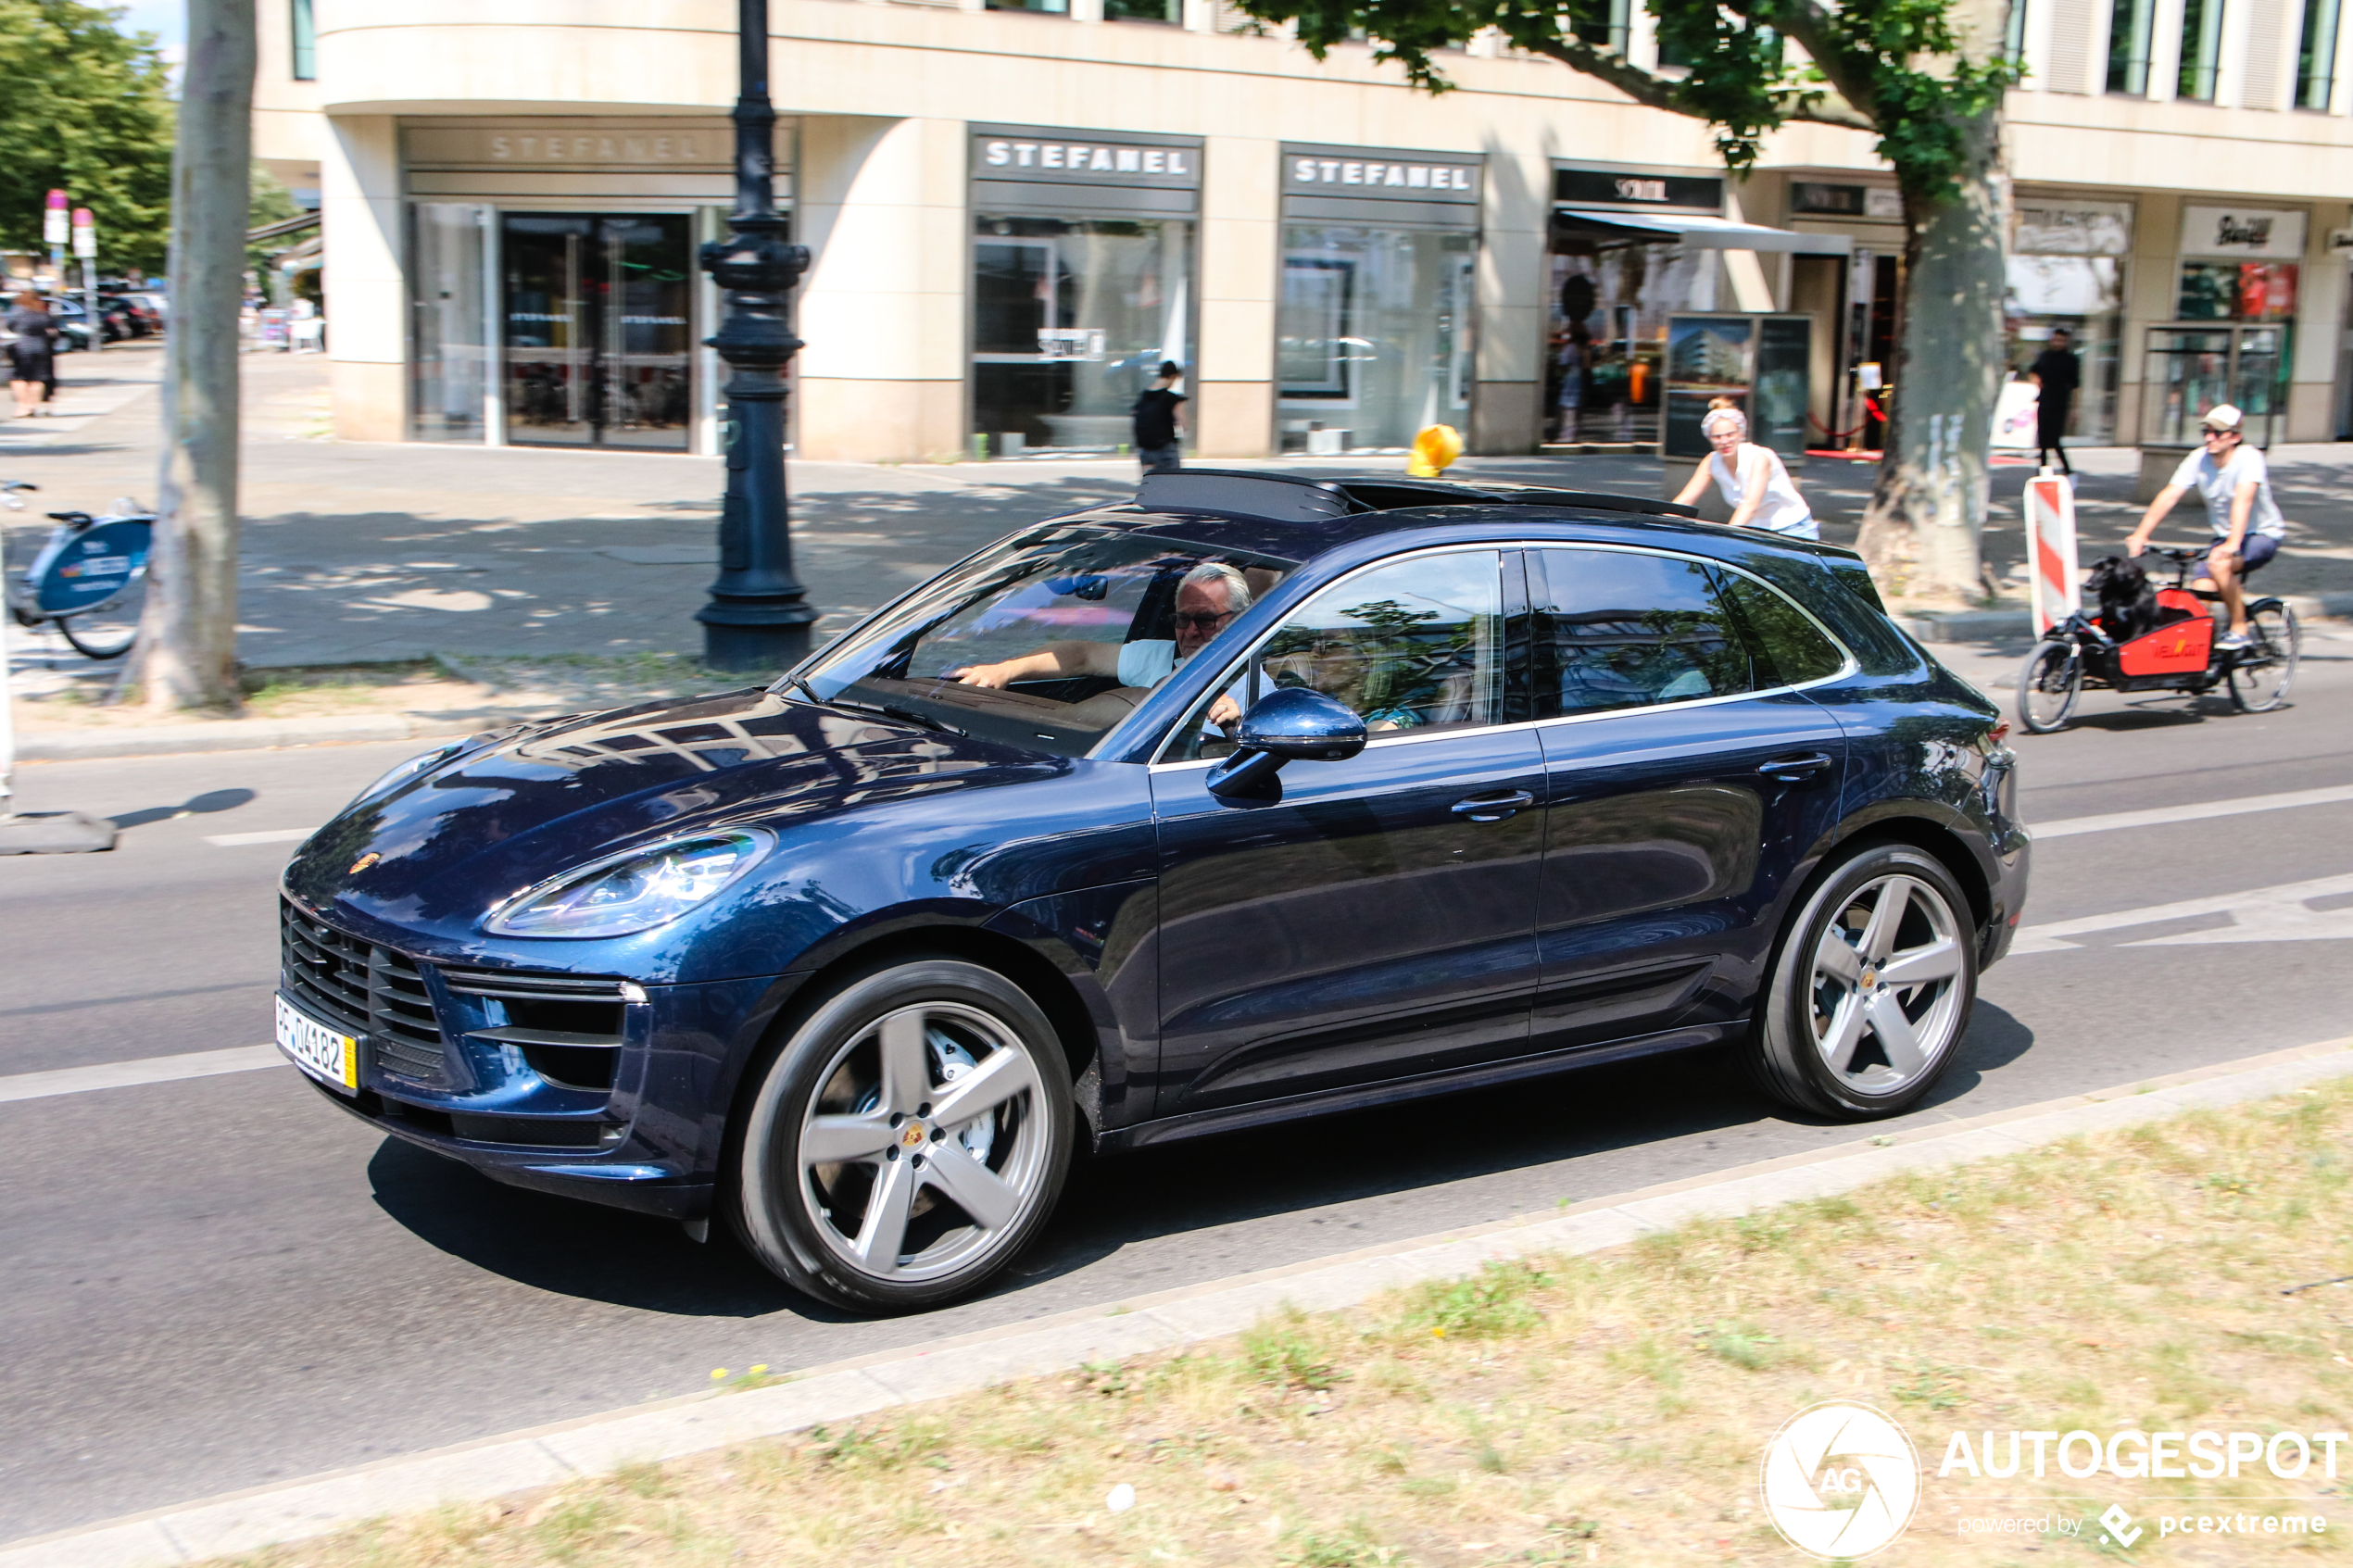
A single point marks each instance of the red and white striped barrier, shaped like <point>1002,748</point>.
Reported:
<point>2052,579</point>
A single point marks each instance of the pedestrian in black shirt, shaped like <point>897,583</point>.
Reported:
<point>1160,417</point>
<point>33,357</point>
<point>2058,373</point>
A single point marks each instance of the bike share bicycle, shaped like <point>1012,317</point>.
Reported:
<point>90,579</point>
<point>2179,656</point>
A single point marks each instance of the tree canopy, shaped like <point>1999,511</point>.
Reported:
<point>84,108</point>
<point>1895,67</point>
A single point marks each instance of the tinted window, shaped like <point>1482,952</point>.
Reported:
<point>1616,630</point>
<point>1787,649</point>
<point>1418,646</point>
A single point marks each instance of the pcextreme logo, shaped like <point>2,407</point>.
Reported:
<point>1840,1480</point>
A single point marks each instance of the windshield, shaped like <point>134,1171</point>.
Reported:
<point>1051,639</point>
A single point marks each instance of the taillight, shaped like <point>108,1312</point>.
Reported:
<point>2001,732</point>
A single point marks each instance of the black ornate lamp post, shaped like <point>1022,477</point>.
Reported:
<point>758,617</point>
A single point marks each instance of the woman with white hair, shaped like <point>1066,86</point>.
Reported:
<point>1754,481</point>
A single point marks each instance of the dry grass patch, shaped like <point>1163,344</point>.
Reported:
<point>1606,1408</point>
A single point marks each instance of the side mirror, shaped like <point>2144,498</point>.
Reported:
<point>1290,725</point>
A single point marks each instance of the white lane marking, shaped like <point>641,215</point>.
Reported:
<point>2067,826</point>
<point>2259,914</point>
<point>270,835</point>
<point>148,1070</point>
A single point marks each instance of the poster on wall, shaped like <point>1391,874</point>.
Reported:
<point>1784,355</point>
<point>1707,357</point>
<point>1762,363</point>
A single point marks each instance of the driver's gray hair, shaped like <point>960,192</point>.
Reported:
<point>1238,594</point>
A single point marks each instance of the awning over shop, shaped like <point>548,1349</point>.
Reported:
<point>1703,229</point>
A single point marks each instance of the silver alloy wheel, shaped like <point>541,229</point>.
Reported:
<point>1886,998</point>
<point>924,1148</point>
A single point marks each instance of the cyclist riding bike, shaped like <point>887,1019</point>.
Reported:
<point>2236,485</point>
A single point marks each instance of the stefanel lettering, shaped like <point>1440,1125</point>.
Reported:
<point>1401,176</point>
<point>1086,156</point>
<point>594,149</point>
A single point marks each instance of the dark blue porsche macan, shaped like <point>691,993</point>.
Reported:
<point>1256,799</point>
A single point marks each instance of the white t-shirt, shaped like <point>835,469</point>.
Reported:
<point>2219,482</point>
<point>1782,510</point>
<point>1148,661</point>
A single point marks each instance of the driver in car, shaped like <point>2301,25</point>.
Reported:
<point>1208,598</point>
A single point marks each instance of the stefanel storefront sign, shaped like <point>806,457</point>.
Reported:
<point>1369,171</point>
<point>1077,158</point>
<point>2265,233</point>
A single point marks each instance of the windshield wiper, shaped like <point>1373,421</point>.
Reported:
<point>888,709</point>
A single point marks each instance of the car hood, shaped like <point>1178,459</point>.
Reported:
<point>433,855</point>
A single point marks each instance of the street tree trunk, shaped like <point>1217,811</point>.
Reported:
<point>186,654</point>
<point>1921,533</point>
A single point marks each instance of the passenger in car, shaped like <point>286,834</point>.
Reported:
<point>1208,598</point>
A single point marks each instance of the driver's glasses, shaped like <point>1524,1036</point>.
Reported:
<point>1209,623</point>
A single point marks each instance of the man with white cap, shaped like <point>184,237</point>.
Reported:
<point>2236,485</point>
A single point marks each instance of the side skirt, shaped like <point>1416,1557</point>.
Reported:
<point>1228,1118</point>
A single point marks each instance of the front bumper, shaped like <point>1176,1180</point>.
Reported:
<point>589,1086</point>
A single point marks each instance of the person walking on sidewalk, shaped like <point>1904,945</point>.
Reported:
<point>1755,481</point>
<point>2057,373</point>
<point>1160,422</point>
<point>33,357</point>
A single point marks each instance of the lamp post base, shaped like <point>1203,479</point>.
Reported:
<point>754,647</point>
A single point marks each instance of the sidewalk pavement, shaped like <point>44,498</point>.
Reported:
<point>361,552</point>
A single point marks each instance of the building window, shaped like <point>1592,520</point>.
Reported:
<point>2014,33</point>
<point>2128,47</point>
<point>1605,26</point>
<point>305,43</point>
<point>2316,54</point>
<point>1169,11</point>
<point>1043,7</point>
<point>2201,49</point>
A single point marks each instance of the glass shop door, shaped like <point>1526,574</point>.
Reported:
<point>598,330</point>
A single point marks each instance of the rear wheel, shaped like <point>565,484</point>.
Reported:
<point>108,631</point>
<point>909,1140</point>
<point>2259,675</point>
<point>1871,989</point>
<point>2048,687</point>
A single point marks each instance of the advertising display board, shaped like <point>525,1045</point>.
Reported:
<point>1758,361</point>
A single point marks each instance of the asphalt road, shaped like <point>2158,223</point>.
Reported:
<point>219,1282</point>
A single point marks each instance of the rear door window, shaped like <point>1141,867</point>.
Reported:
<point>1614,629</point>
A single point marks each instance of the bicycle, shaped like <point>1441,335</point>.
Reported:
<point>89,579</point>
<point>2180,655</point>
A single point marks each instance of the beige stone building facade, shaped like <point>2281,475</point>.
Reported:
<point>1017,213</point>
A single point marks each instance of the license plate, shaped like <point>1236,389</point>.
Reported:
<point>330,1057</point>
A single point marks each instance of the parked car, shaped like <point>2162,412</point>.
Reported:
<point>129,316</point>
<point>1259,798</point>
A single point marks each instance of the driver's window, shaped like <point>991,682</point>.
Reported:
<point>1412,647</point>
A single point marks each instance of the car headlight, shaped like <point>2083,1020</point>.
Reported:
<point>632,891</point>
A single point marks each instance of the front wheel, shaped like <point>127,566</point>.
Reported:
<point>108,631</point>
<point>2048,687</point>
<point>910,1138</point>
<point>1871,988</point>
<point>2260,674</point>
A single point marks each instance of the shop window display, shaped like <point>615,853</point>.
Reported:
<point>1071,318</point>
<point>1373,341</point>
<point>2084,294</point>
<point>1609,304</point>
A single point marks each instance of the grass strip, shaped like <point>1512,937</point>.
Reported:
<point>1611,1408</point>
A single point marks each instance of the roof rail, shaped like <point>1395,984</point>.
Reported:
<point>1282,497</point>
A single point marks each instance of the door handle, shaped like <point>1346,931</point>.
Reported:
<point>1795,769</point>
<point>1493,808</point>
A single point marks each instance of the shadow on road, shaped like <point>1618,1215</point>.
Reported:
<point>202,805</point>
<point>575,1248</point>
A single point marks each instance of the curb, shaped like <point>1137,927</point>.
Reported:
<point>546,1456</point>
<point>1986,625</point>
<point>257,734</point>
